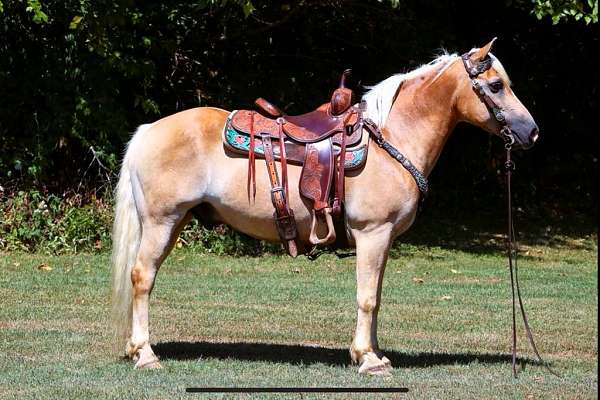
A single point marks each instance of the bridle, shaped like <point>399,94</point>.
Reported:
<point>474,70</point>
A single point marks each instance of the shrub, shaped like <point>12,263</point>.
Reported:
<point>222,240</point>
<point>35,221</point>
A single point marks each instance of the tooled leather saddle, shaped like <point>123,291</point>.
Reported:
<point>325,142</point>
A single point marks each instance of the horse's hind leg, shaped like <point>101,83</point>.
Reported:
<point>158,237</point>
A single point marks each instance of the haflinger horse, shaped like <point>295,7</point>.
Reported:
<point>178,166</point>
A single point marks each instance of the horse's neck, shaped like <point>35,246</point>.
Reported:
<point>422,118</point>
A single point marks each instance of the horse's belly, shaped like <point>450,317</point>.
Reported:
<point>228,195</point>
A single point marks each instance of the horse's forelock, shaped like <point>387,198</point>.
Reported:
<point>497,65</point>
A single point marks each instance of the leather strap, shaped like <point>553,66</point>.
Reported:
<point>284,217</point>
<point>420,179</point>
<point>340,172</point>
<point>489,102</point>
<point>251,162</point>
<point>474,71</point>
<point>509,166</point>
<point>283,157</point>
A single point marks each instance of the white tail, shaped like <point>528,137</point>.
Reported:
<point>127,233</point>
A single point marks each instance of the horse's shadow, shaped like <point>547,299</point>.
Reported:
<point>306,355</point>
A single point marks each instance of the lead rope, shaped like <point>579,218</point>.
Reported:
<point>509,166</point>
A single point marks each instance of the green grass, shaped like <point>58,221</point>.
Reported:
<point>275,321</point>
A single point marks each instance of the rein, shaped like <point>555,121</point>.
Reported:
<point>512,249</point>
<point>509,166</point>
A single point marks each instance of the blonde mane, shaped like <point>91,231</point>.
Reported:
<point>380,97</point>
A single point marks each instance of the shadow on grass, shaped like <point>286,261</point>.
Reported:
<point>484,233</point>
<point>303,355</point>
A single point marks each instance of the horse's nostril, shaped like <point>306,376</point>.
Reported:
<point>534,135</point>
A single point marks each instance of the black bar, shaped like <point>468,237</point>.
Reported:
<point>295,390</point>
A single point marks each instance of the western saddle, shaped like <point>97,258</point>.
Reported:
<point>325,142</point>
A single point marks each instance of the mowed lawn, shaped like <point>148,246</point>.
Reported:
<point>276,321</point>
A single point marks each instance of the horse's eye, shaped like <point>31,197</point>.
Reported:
<point>496,86</point>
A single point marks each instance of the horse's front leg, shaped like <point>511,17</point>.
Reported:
<point>371,256</point>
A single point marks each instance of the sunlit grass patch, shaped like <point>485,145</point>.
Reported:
<point>274,321</point>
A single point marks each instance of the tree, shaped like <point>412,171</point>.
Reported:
<point>560,10</point>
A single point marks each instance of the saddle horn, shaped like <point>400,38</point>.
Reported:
<point>341,99</point>
<point>346,73</point>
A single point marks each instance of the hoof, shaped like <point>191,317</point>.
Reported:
<point>373,365</point>
<point>152,364</point>
<point>146,359</point>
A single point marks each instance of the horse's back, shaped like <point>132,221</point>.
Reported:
<point>172,137</point>
<point>199,121</point>
<point>172,156</point>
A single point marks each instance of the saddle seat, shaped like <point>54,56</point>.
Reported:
<point>318,124</point>
<point>321,141</point>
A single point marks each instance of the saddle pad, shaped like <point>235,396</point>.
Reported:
<point>239,142</point>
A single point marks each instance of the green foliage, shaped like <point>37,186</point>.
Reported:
<point>222,240</point>
<point>42,222</point>
<point>560,10</point>
<point>77,74</point>
<point>77,77</point>
<point>35,8</point>
<point>33,221</point>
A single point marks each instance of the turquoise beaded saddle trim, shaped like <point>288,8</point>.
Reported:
<point>240,141</point>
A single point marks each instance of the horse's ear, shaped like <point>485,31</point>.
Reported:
<point>482,52</point>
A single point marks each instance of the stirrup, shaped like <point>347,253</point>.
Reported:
<point>313,238</point>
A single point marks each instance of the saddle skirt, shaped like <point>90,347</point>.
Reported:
<point>237,140</point>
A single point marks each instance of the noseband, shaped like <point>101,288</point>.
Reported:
<point>505,132</point>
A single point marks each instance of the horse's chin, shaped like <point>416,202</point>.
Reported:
<point>522,145</point>
<point>527,147</point>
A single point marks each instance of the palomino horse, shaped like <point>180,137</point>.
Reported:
<point>178,164</point>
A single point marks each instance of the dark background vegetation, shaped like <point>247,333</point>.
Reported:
<point>77,77</point>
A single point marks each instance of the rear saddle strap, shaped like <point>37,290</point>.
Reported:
<point>284,216</point>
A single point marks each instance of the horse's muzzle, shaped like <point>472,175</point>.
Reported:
<point>524,140</point>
